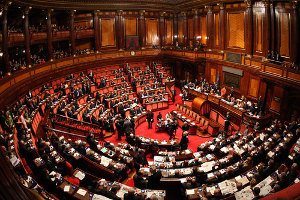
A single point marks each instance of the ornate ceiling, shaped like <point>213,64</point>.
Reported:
<point>161,5</point>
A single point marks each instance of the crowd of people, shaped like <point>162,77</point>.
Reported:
<point>256,145</point>
<point>253,108</point>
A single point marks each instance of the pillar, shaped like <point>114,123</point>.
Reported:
<point>97,30</point>
<point>249,27</point>
<point>142,29</point>
<point>72,32</point>
<point>6,68</point>
<point>49,34</point>
<point>27,37</point>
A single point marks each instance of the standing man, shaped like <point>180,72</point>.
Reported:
<point>174,94</point>
<point>227,123</point>
<point>150,118</point>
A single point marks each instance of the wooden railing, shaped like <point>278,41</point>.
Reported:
<point>47,71</point>
<point>73,125</point>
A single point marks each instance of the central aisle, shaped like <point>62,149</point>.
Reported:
<point>143,130</point>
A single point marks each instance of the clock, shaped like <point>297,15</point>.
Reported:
<point>132,53</point>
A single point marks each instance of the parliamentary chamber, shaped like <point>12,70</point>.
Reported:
<point>252,46</point>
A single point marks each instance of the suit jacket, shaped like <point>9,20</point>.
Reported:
<point>150,116</point>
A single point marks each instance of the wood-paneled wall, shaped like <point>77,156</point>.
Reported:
<point>169,32</point>
<point>203,29</point>
<point>108,38</point>
<point>131,26</point>
<point>152,31</point>
<point>236,30</point>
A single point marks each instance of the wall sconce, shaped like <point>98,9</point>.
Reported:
<point>199,37</point>
<point>1,54</point>
<point>206,37</point>
<point>175,36</point>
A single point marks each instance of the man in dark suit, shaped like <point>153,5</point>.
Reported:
<point>139,182</point>
<point>150,118</point>
<point>132,196</point>
<point>154,179</point>
<point>185,127</point>
<point>227,124</point>
<point>112,194</point>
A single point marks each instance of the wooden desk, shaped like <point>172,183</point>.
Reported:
<point>233,109</point>
<point>213,98</point>
<point>72,188</point>
<point>157,105</point>
<point>86,195</point>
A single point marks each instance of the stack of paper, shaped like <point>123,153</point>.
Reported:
<point>80,175</point>
<point>245,194</point>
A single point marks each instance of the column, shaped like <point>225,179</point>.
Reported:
<point>184,28</point>
<point>210,27</point>
<point>295,33</point>
<point>175,29</point>
<point>222,26</point>
<point>72,32</point>
<point>249,27</point>
<point>196,25</point>
<point>97,30</point>
<point>120,30</point>
<point>6,68</point>
<point>162,30</point>
<point>273,28</point>
<point>267,29</point>
<point>49,34</point>
<point>142,29</point>
<point>27,37</point>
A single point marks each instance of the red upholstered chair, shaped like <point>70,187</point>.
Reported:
<point>213,115</point>
<point>202,121</point>
<point>221,120</point>
<point>205,126</point>
<point>197,119</point>
<point>74,180</point>
<point>69,168</point>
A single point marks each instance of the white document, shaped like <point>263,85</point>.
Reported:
<point>80,175</point>
<point>244,180</point>
<point>190,191</point>
<point>105,161</point>
<point>66,188</point>
<point>100,197</point>
<point>245,194</point>
<point>265,190</point>
<point>81,192</point>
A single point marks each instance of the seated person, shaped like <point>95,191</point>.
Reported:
<point>168,116</point>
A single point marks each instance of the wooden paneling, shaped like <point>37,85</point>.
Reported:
<point>169,31</point>
<point>258,31</point>
<point>180,31</point>
<point>277,98</point>
<point>131,26</point>
<point>83,44</point>
<point>236,30</point>
<point>284,33</point>
<point>203,29</point>
<point>83,20</point>
<point>152,32</point>
<point>191,28</point>
<point>216,29</point>
<point>253,87</point>
<point>213,75</point>
<point>108,32</point>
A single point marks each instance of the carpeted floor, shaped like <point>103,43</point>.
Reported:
<point>143,130</point>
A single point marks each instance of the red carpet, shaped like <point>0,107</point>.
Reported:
<point>144,131</point>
